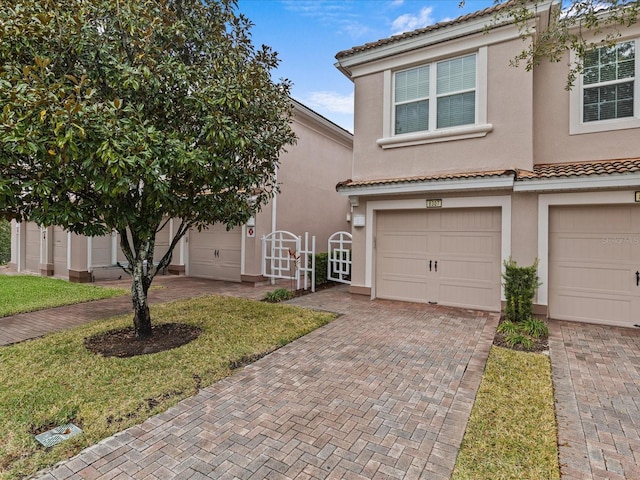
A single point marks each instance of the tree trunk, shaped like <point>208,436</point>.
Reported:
<point>139,288</point>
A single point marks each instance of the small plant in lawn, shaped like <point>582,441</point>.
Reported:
<point>508,327</point>
<point>535,327</point>
<point>519,339</point>
<point>278,295</point>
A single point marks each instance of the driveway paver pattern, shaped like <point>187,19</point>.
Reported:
<point>596,376</point>
<point>384,391</point>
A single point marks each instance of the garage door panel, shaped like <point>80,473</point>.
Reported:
<point>468,271</point>
<point>592,247</point>
<point>593,306</point>
<point>597,277</point>
<point>405,288</point>
<point>580,219</point>
<point>594,252</point>
<point>469,244</point>
<point>465,221</point>
<point>59,251</point>
<point>32,255</point>
<point>403,241</point>
<point>215,253</point>
<point>464,295</point>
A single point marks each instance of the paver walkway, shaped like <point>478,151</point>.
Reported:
<point>596,376</point>
<point>18,328</point>
<point>384,391</point>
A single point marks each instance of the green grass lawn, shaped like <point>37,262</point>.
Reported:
<point>55,379</point>
<point>512,431</point>
<point>27,293</point>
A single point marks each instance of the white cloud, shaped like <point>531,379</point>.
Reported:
<point>330,101</point>
<point>408,22</point>
<point>396,3</point>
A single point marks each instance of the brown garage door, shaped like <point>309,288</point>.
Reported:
<point>594,254</point>
<point>32,244</point>
<point>215,253</point>
<point>449,257</point>
<point>60,252</point>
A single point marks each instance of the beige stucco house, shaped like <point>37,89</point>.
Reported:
<point>307,202</point>
<point>462,161</point>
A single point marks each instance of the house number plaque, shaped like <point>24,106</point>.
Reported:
<point>637,196</point>
<point>434,203</point>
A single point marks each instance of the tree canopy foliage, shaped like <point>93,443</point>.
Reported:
<point>121,114</point>
<point>576,25</point>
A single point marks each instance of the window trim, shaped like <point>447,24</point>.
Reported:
<point>576,124</point>
<point>479,129</point>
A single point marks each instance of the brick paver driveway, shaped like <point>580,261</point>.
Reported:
<point>384,391</point>
<point>596,375</point>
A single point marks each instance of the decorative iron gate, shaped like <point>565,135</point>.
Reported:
<point>284,257</point>
<point>339,264</point>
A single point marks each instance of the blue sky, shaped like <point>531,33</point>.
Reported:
<point>308,33</point>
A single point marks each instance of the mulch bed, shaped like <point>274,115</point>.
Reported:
<point>123,343</point>
<point>539,344</point>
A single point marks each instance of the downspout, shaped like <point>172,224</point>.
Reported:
<point>274,206</point>
<point>89,257</point>
<point>274,215</point>
<point>19,246</point>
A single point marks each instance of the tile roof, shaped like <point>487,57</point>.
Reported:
<point>421,31</point>
<point>426,178</point>
<point>540,172</point>
<point>581,169</point>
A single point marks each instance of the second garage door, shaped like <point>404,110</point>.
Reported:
<point>215,253</point>
<point>594,254</point>
<point>450,257</point>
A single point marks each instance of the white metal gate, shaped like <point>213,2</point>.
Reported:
<point>339,264</point>
<point>284,257</point>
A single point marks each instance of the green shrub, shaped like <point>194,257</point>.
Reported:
<point>278,295</point>
<point>513,339</point>
<point>508,327</point>
<point>322,260</point>
<point>535,327</point>
<point>520,285</point>
<point>5,242</point>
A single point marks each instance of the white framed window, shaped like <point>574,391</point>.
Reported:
<point>411,97</point>
<point>438,101</point>
<point>452,88</point>
<point>456,89</point>
<point>607,96</point>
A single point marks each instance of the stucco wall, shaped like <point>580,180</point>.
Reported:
<point>508,145</point>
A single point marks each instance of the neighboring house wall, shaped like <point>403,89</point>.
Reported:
<point>554,140</point>
<point>523,180</point>
<point>307,202</point>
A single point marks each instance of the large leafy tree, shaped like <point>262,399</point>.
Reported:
<point>121,114</point>
<point>577,25</point>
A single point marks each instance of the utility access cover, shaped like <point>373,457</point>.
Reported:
<point>58,435</point>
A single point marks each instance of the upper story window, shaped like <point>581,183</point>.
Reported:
<point>439,101</point>
<point>609,74</point>
<point>607,96</point>
<point>450,83</point>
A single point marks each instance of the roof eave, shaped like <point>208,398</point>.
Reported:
<point>448,32</point>
<point>578,182</point>
<point>430,186</point>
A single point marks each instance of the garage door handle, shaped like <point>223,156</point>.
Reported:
<point>436,265</point>
<point>637,278</point>
<point>429,265</point>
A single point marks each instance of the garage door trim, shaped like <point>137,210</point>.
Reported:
<point>501,201</point>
